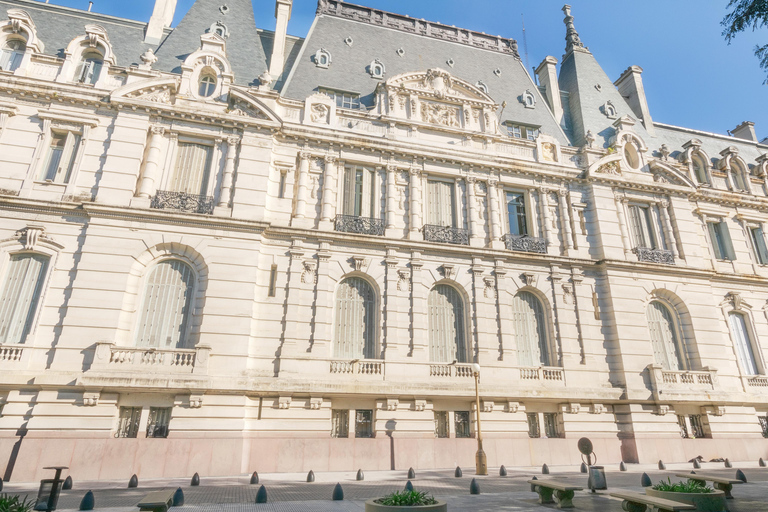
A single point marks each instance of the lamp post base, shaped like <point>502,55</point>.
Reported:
<point>481,463</point>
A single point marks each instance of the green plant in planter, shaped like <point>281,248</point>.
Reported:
<point>691,486</point>
<point>10,503</point>
<point>406,499</point>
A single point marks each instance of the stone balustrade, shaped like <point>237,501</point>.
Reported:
<point>759,381</point>
<point>542,373</point>
<point>358,367</point>
<point>11,353</point>
<point>109,357</point>
<point>450,370</point>
<point>666,382</point>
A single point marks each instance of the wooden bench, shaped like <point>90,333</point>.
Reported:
<point>720,483</point>
<point>638,502</point>
<point>552,491</point>
<point>157,501</point>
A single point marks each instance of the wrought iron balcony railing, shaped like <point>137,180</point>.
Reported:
<point>183,202</point>
<point>525,243</point>
<point>446,235</point>
<point>359,225</point>
<point>654,255</point>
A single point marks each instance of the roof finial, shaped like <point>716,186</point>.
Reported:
<point>571,36</point>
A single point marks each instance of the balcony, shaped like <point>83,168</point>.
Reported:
<point>358,367</point>
<point>759,381</point>
<point>543,373</point>
<point>647,255</point>
<point>667,383</point>
<point>110,358</point>
<point>525,243</point>
<point>183,202</point>
<point>446,235</point>
<point>11,353</point>
<point>359,225</point>
<point>451,370</point>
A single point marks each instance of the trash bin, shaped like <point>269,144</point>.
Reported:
<point>47,495</point>
<point>596,480</point>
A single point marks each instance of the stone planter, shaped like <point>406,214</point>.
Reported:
<point>709,502</point>
<point>372,506</point>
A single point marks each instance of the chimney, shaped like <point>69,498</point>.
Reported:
<point>277,61</point>
<point>162,17</point>
<point>746,131</point>
<point>547,74</point>
<point>630,85</point>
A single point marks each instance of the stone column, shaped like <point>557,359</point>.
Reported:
<point>324,305</point>
<point>391,195</point>
<point>328,185</point>
<point>152,170</point>
<point>669,233</point>
<point>507,346</point>
<point>303,192</point>
<point>419,320</point>
<point>415,198</point>
<point>565,220</point>
<point>544,205</point>
<point>392,349</point>
<point>229,171</point>
<point>621,204</point>
<point>484,288</point>
<point>294,316</point>
<point>471,208</point>
<point>493,198</point>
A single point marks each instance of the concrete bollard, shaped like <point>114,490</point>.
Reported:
<point>502,471</point>
<point>741,476</point>
<point>178,498</point>
<point>67,485</point>
<point>458,473</point>
<point>88,502</point>
<point>310,476</point>
<point>584,468</point>
<point>360,476</point>
<point>645,481</point>
<point>622,466</point>
<point>338,493</point>
<point>661,465</point>
<point>254,478</point>
<point>474,487</point>
<point>544,469</point>
<point>133,482</point>
<point>760,463</point>
<point>408,486</point>
<point>411,474</point>
<point>195,480</point>
<point>533,487</point>
<point>728,463</point>
<point>261,496</point>
<point>696,464</point>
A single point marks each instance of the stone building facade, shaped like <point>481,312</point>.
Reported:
<point>225,249</point>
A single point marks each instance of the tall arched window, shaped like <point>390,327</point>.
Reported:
<point>700,169</point>
<point>743,341</point>
<point>665,337</point>
<point>166,307</point>
<point>355,333</point>
<point>447,335</point>
<point>89,69</point>
<point>12,54</point>
<point>19,296</point>
<point>530,330</point>
<point>740,176</point>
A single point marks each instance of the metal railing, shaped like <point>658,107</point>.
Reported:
<point>525,243</point>
<point>359,225</point>
<point>183,202</point>
<point>446,235</point>
<point>647,255</point>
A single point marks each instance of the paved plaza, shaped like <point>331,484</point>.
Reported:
<point>290,493</point>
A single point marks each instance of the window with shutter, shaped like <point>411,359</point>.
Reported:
<point>700,169</point>
<point>359,192</point>
<point>643,231</point>
<point>12,54</point>
<point>530,330</point>
<point>516,214</point>
<point>446,326</point>
<point>355,333</point>
<point>721,240</point>
<point>665,338</point>
<point>21,289</point>
<point>743,341</point>
<point>758,242</point>
<point>166,306</point>
<point>193,166</point>
<point>440,203</point>
<point>60,160</point>
<point>89,69</point>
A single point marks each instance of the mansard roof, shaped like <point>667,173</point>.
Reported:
<point>356,36</point>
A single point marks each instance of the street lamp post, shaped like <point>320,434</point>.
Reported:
<point>481,462</point>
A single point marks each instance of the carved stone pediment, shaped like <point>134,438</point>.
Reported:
<point>156,90</point>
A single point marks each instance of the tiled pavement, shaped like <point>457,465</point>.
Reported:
<point>289,493</point>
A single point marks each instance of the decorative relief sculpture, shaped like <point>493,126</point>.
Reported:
<point>610,168</point>
<point>320,113</point>
<point>309,275</point>
<point>490,287</point>
<point>437,113</point>
<point>30,235</point>
<point>549,152</point>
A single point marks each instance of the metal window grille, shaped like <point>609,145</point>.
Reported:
<point>697,426</point>
<point>128,426</point>
<point>159,418</point>
<point>364,423</point>
<point>550,425</point>
<point>340,423</point>
<point>273,281</point>
<point>441,424</point>
<point>763,425</point>
<point>533,425</point>
<point>19,296</point>
<point>683,427</point>
<point>461,422</point>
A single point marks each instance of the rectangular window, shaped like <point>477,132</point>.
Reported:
<point>159,418</point>
<point>441,424</point>
<point>343,99</point>
<point>516,215</point>
<point>721,240</point>
<point>550,425</point>
<point>643,233</point>
<point>533,425</point>
<point>763,425</point>
<point>364,423</point>
<point>193,167</point>
<point>128,426</point>
<point>359,192</point>
<point>281,187</point>
<point>520,131</point>
<point>440,203</point>
<point>758,242</point>
<point>697,426</point>
<point>683,426</point>
<point>273,281</point>
<point>461,422</point>
<point>60,159</point>
<point>340,423</point>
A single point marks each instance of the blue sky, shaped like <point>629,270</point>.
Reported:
<point>692,78</point>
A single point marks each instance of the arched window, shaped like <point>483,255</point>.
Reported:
<point>665,337</point>
<point>12,54</point>
<point>631,155</point>
<point>743,341</point>
<point>355,329</point>
<point>447,335</point>
<point>19,296</point>
<point>530,330</point>
<point>207,85</point>
<point>89,69</point>
<point>740,176</point>
<point>166,306</point>
<point>700,169</point>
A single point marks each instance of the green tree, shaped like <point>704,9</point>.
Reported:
<point>747,14</point>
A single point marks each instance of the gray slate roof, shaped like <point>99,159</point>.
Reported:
<point>348,70</point>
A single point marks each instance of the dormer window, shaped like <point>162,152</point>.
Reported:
<point>89,70</point>
<point>207,86</point>
<point>528,99</point>
<point>609,110</point>
<point>740,176</point>
<point>482,86</point>
<point>631,155</point>
<point>376,69</point>
<point>343,99</point>
<point>520,131</point>
<point>322,58</point>
<point>700,169</point>
<point>12,53</point>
